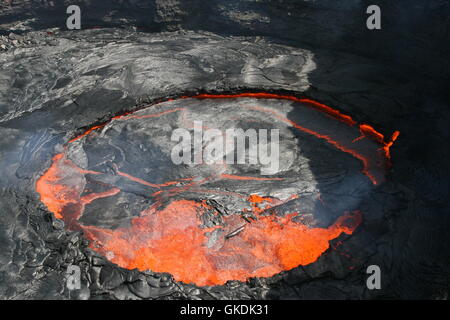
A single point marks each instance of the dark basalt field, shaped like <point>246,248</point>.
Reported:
<point>87,180</point>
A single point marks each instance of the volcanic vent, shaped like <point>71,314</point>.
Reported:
<point>210,223</point>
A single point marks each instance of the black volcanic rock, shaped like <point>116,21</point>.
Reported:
<point>55,83</point>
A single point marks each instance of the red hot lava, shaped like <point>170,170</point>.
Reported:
<point>171,240</point>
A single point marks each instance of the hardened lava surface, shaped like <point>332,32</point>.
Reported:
<point>203,223</point>
<point>373,202</point>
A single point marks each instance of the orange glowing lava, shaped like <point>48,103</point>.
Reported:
<point>171,239</point>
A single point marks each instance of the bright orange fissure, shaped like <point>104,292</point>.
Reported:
<point>365,129</point>
<point>171,240</point>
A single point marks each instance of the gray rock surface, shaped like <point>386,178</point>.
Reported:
<point>53,83</point>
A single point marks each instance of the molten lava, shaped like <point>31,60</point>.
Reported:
<point>171,238</point>
<point>171,241</point>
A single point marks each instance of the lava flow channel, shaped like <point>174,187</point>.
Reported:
<point>170,238</point>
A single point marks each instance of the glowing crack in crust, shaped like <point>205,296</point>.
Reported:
<point>168,235</point>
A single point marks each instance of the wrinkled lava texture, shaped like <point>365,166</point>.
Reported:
<point>131,154</point>
<point>86,176</point>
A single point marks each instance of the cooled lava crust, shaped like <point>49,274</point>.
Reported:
<point>207,224</point>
